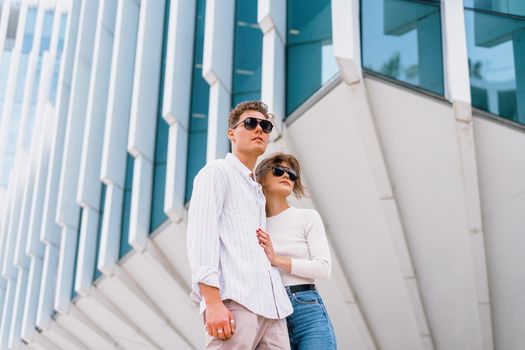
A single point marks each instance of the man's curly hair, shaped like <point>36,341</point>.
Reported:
<point>235,114</point>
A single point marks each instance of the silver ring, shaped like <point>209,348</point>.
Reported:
<point>232,321</point>
<point>219,330</point>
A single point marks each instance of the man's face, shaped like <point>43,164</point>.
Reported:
<point>249,141</point>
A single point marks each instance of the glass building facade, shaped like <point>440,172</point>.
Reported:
<point>309,54</point>
<point>401,39</point>
<point>496,52</point>
<point>401,42</point>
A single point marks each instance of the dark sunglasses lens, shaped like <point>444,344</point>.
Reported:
<point>266,126</point>
<point>292,175</point>
<point>277,171</point>
<point>250,123</point>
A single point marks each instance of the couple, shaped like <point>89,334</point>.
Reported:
<point>244,241</point>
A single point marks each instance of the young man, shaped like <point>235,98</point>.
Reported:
<point>241,294</point>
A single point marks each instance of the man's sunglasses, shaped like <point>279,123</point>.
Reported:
<point>251,123</point>
<point>279,171</point>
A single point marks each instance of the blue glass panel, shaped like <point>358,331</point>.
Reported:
<point>512,7</point>
<point>161,143</point>
<point>310,62</point>
<point>197,138</point>
<point>46,31</point>
<point>102,205</point>
<point>125,247</point>
<point>496,50</point>
<point>401,39</point>
<point>29,30</point>
<point>247,53</point>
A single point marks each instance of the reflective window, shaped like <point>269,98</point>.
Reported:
<point>12,26</point>
<point>401,39</point>
<point>310,61</point>
<point>198,133</point>
<point>247,53</point>
<point>29,30</point>
<point>125,247</point>
<point>161,142</point>
<point>496,51</point>
<point>513,7</point>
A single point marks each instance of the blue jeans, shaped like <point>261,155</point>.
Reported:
<point>309,327</point>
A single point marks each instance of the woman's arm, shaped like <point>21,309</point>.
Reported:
<point>320,265</point>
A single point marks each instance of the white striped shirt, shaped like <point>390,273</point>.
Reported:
<point>227,207</point>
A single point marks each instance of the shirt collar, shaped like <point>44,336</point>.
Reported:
<point>239,166</point>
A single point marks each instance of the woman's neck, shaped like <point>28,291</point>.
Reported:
<point>275,205</point>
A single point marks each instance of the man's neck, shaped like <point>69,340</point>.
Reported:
<point>248,160</point>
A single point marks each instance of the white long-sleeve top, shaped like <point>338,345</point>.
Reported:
<point>227,207</point>
<point>300,235</point>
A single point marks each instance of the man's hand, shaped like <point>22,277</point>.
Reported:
<point>219,320</point>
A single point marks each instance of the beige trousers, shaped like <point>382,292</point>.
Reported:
<point>251,332</point>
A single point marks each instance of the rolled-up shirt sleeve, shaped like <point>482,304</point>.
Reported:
<point>320,264</point>
<point>203,241</point>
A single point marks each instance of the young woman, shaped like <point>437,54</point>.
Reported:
<point>295,242</point>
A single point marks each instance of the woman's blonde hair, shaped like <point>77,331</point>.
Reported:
<point>277,159</point>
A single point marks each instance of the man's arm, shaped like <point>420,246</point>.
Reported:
<point>204,248</point>
<point>218,317</point>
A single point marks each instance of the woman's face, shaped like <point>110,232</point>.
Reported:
<point>278,185</point>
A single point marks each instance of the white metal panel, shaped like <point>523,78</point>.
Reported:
<point>455,56</point>
<point>44,111</point>
<point>114,156</point>
<point>176,172</point>
<point>68,210</point>
<point>217,62</point>
<point>141,137</point>
<point>176,101</point>
<point>111,230</point>
<point>89,185</point>
<point>28,328</point>
<point>178,71</point>
<point>346,38</point>
<point>219,105</point>
<point>15,340</point>
<point>139,222</point>
<point>50,231</point>
<point>271,16</point>
<point>114,153</point>
<point>144,111</point>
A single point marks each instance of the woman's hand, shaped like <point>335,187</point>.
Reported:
<point>265,242</point>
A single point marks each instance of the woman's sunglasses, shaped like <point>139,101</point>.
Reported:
<point>279,171</point>
<point>251,123</point>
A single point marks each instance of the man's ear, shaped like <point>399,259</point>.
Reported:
<point>231,135</point>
